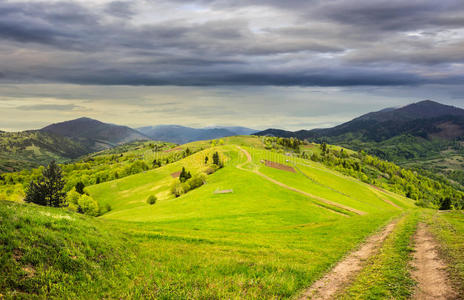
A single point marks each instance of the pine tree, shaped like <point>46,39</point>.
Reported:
<point>80,187</point>
<point>216,159</point>
<point>48,190</point>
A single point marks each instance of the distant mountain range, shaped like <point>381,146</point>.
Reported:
<point>426,119</point>
<point>70,139</point>
<point>181,134</point>
<point>425,134</point>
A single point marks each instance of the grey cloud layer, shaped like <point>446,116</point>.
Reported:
<point>208,43</point>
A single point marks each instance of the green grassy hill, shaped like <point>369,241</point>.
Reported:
<point>271,237</point>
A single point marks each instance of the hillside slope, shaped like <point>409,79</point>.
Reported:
<point>253,230</point>
<point>29,149</point>
<point>426,135</point>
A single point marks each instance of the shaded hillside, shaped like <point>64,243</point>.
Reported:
<point>95,134</point>
<point>27,149</point>
<point>181,134</point>
<point>426,134</point>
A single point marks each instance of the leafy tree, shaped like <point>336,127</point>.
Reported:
<point>206,159</point>
<point>48,190</point>
<point>88,206</point>
<point>72,199</point>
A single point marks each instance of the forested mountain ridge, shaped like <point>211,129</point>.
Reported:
<point>32,148</point>
<point>182,134</point>
<point>94,134</point>
<point>425,135</point>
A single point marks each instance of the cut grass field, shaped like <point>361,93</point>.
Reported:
<point>261,241</point>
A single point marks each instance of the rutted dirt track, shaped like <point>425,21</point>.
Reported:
<point>240,166</point>
<point>429,269</point>
<point>332,283</point>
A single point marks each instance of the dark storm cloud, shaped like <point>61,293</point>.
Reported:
<point>202,43</point>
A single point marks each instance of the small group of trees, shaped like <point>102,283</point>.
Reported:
<point>48,191</point>
<point>187,182</point>
<point>184,175</point>
<point>285,143</point>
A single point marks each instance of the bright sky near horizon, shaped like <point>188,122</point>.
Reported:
<point>262,63</point>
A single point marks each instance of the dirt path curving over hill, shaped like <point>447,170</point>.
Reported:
<point>344,272</point>
<point>249,159</point>
<point>429,269</point>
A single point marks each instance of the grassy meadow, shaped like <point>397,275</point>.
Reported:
<point>260,241</point>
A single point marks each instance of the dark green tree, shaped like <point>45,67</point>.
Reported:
<point>184,175</point>
<point>48,190</point>
<point>206,160</point>
<point>80,187</point>
<point>445,203</point>
<point>216,159</point>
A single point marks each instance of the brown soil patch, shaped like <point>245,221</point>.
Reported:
<point>344,272</point>
<point>429,269</point>
<point>175,174</point>
<point>173,149</point>
<point>449,130</point>
<point>275,165</point>
<point>29,270</point>
<point>17,254</point>
<point>224,191</point>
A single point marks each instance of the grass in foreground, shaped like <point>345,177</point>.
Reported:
<point>387,274</point>
<point>448,228</point>
<point>50,252</point>
<point>53,252</point>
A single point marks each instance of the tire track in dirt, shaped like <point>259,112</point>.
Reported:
<point>344,272</point>
<point>429,269</point>
<point>249,159</point>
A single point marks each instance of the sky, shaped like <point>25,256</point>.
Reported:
<point>294,64</point>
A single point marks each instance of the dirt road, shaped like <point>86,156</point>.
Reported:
<point>429,269</point>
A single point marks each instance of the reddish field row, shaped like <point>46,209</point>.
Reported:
<point>275,165</point>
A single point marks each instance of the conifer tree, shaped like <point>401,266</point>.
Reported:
<point>48,190</point>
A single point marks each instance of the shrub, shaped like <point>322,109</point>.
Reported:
<point>72,199</point>
<point>88,206</point>
<point>209,170</point>
<point>196,181</point>
<point>107,207</point>
<point>151,199</point>
<point>177,189</point>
